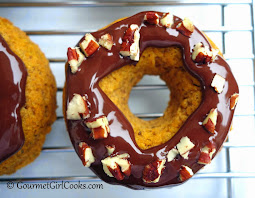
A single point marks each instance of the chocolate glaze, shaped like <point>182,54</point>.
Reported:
<point>13,76</point>
<point>103,62</point>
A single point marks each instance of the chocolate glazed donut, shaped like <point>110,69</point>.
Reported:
<point>103,137</point>
<point>12,96</point>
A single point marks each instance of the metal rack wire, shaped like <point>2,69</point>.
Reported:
<point>222,29</point>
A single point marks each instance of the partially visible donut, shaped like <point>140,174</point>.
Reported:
<point>109,139</point>
<point>27,98</point>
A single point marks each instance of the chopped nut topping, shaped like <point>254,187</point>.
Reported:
<point>89,45</point>
<point>77,108</point>
<point>117,166</point>
<point>99,127</point>
<point>153,171</point>
<point>233,100</point>
<point>201,54</point>
<point>186,27</point>
<point>130,43</point>
<point>86,154</point>
<point>75,58</point>
<point>151,18</point>
<point>184,146</point>
<point>210,121</point>
<point>110,149</point>
<point>172,154</point>
<point>167,20</point>
<point>206,154</point>
<point>218,83</point>
<point>106,41</point>
<point>185,173</point>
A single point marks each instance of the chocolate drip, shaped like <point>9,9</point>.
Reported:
<point>13,76</point>
<point>103,62</point>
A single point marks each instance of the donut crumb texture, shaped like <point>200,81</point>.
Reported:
<point>185,97</point>
<point>39,111</point>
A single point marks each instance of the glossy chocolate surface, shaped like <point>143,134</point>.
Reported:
<point>13,76</point>
<point>103,62</point>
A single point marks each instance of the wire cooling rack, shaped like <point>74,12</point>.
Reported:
<point>59,24</point>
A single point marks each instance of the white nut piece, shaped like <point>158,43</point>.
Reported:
<point>88,157</point>
<point>186,155</point>
<point>130,44</point>
<point>202,54</point>
<point>167,20</point>
<point>99,127</point>
<point>172,154</point>
<point>98,122</point>
<point>186,27</point>
<point>184,146</point>
<point>75,58</point>
<point>218,83</point>
<point>89,45</point>
<point>211,120</point>
<point>106,41</point>
<point>117,166</point>
<point>110,149</point>
<point>77,108</point>
<point>208,150</point>
<point>214,53</point>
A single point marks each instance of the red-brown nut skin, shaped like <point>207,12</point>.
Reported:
<point>204,158</point>
<point>150,172</point>
<point>116,172</point>
<point>152,18</point>
<point>87,111</point>
<point>233,99</point>
<point>203,58</point>
<point>91,48</point>
<point>184,174</point>
<point>82,152</point>
<point>99,133</point>
<point>127,40</point>
<point>209,126</point>
<point>72,54</point>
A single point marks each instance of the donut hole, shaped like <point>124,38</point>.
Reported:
<point>185,97</point>
<point>150,97</point>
